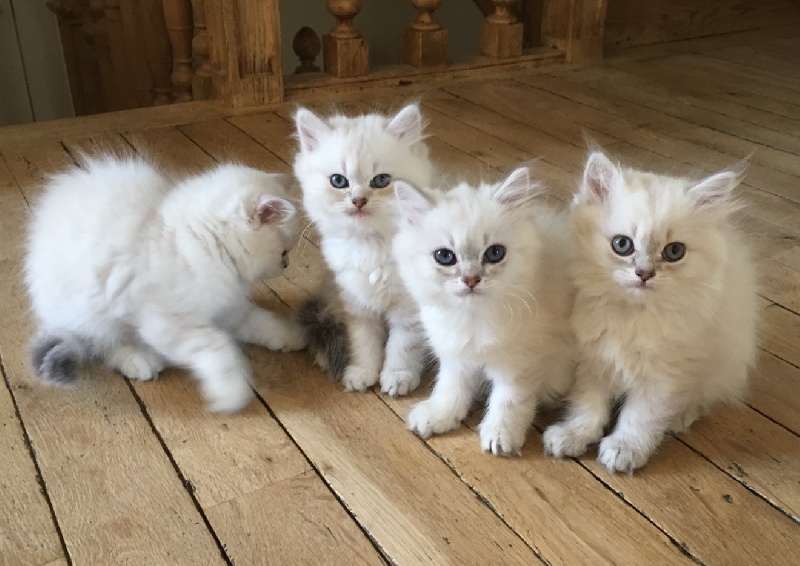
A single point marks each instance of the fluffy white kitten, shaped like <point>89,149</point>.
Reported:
<point>665,313</point>
<point>346,167</point>
<point>489,270</point>
<point>124,267</point>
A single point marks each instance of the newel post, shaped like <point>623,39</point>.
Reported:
<point>501,33</point>
<point>425,40</point>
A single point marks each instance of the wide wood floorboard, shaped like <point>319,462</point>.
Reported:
<point>111,471</point>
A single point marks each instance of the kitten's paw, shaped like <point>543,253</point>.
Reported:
<point>396,383</point>
<point>358,379</point>
<point>500,439</point>
<point>619,455</point>
<point>136,364</point>
<point>561,440</point>
<point>289,337</point>
<point>682,422</point>
<point>230,395</point>
<point>321,360</point>
<point>428,417</point>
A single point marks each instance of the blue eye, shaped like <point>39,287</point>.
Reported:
<point>622,245</point>
<point>380,181</point>
<point>674,251</point>
<point>339,181</point>
<point>445,257</point>
<point>494,253</point>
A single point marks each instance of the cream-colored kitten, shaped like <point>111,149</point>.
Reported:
<point>665,314</point>
<point>488,267</point>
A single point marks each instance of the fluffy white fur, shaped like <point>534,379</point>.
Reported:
<point>124,266</point>
<point>356,242</point>
<point>674,344</point>
<point>507,322</point>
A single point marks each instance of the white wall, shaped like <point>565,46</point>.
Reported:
<point>35,85</point>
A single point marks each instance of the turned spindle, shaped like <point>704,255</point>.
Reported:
<point>306,46</point>
<point>201,81</point>
<point>344,50</point>
<point>425,40</point>
<point>178,16</point>
<point>501,33</point>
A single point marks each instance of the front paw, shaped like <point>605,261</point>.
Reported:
<point>290,338</point>
<point>230,395</point>
<point>428,417</point>
<point>358,379</point>
<point>561,440</point>
<point>398,382</point>
<point>500,439</point>
<point>619,455</point>
<point>141,365</point>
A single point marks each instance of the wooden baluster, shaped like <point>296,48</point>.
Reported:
<point>178,16</point>
<point>96,31</point>
<point>68,15</point>
<point>344,50</point>
<point>306,46</point>
<point>575,27</point>
<point>425,40</point>
<point>157,49</point>
<point>124,84</point>
<point>501,33</point>
<point>201,82</point>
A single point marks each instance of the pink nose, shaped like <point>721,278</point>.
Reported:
<point>360,202</point>
<point>471,281</point>
<point>645,275</point>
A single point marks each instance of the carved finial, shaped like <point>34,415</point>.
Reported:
<point>501,33</point>
<point>306,46</point>
<point>425,20</point>
<point>502,12</point>
<point>345,12</point>
<point>345,52</point>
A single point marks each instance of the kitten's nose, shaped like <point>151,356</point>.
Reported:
<point>359,202</point>
<point>471,281</point>
<point>645,274</point>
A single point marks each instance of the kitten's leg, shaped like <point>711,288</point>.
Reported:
<point>643,420</point>
<point>214,357</point>
<point>367,335</point>
<point>404,357</point>
<point>589,411</point>
<point>509,413</point>
<point>264,328</point>
<point>134,361</point>
<point>449,403</point>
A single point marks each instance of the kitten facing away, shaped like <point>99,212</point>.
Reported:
<point>126,267</point>
<point>488,267</point>
<point>347,167</point>
<point>665,314</point>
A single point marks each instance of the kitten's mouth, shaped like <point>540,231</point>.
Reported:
<point>357,212</point>
<point>468,292</point>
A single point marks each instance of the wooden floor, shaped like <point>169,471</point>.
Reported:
<point>114,472</point>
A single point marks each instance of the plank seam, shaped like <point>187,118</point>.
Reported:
<point>32,453</point>
<point>740,481</point>
<point>185,482</point>
<point>478,495</point>
<point>228,121</point>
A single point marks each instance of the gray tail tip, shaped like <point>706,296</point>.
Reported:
<point>326,334</point>
<point>55,360</point>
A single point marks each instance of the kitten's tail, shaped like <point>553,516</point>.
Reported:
<point>57,359</point>
<point>326,333</point>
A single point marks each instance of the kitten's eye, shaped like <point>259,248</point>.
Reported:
<point>445,257</point>
<point>380,181</point>
<point>494,253</point>
<point>622,245</point>
<point>674,251</point>
<point>339,181</point>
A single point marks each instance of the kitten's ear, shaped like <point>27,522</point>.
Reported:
<point>272,210</point>
<point>407,124</point>
<point>717,189</point>
<point>517,188</point>
<point>598,177</point>
<point>412,202</point>
<point>310,128</point>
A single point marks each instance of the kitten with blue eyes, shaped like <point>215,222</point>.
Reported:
<point>488,267</point>
<point>347,167</point>
<point>665,311</point>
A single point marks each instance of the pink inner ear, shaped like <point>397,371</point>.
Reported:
<point>272,211</point>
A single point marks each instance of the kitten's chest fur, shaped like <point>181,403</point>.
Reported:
<point>364,270</point>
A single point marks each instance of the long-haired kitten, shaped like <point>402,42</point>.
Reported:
<point>126,267</point>
<point>665,314</point>
<point>347,168</point>
<point>488,267</point>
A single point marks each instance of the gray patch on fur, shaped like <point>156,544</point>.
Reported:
<point>325,333</point>
<point>56,360</point>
